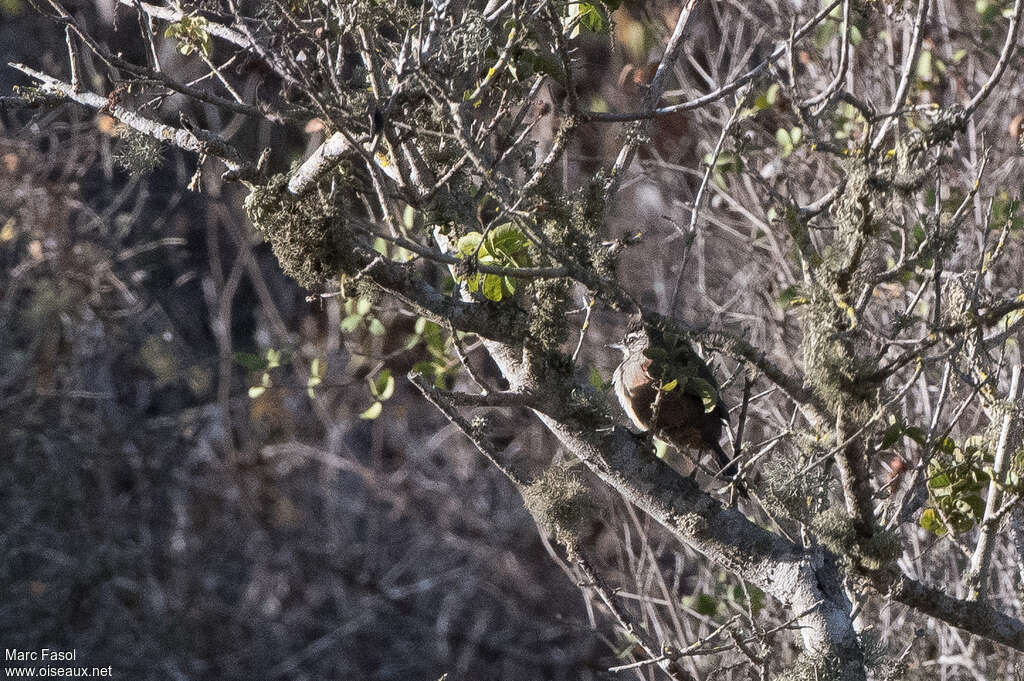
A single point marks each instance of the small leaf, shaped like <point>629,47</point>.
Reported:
<point>705,604</point>
<point>506,240</point>
<point>468,244</point>
<point>250,361</point>
<point>425,368</point>
<point>893,433</point>
<point>706,392</point>
<point>930,521</point>
<point>383,385</point>
<point>947,445</point>
<point>363,306</point>
<point>916,434</point>
<point>492,288</point>
<point>376,327</point>
<point>372,412</point>
<point>591,18</point>
<point>670,386</point>
<point>389,389</point>
<point>791,297</point>
<point>595,379</point>
<point>976,505</point>
<point>350,323</point>
<point>924,66</point>
<point>255,391</point>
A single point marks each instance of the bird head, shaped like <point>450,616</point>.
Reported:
<point>635,340</point>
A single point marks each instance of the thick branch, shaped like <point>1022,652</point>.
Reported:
<point>972,616</point>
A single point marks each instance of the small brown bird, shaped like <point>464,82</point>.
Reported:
<point>690,412</point>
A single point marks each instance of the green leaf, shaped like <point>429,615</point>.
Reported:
<point>376,327</point>
<point>947,445</point>
<point>785,141</point>
<point>893,433</point>
<point>425,368</point>
<point>930,521</point>
<point>591,18</point>
<point>506,240</point>
<point>492,288</point>
<point>350,323</point>
<point>468,244</point>
<point>190,32</point>
<point>363,306</point>
<point>250,361</point>
<point>706,392</point>
<point>274,358</point>
<point>939,481</point>
<point>1012,478</point>
<point>705,604</point>
<point>924,66</point>
<point>791,297</point>
<point>671,385</point>
<point>255,391</point>
<point>976,505</point>
<point>656,354</point>
<point>311,384</point>
<point>595,379</point>
<point>383,385</point>
<point>372,412</point>
<point>916,434</point>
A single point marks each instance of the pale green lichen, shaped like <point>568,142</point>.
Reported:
<point>561,503</point>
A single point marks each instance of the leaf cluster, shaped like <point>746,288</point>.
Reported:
<point>675,363</point>
<point>503,246</point>
<point>956,477</point>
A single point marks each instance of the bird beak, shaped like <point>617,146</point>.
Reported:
<point>616,346</point>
